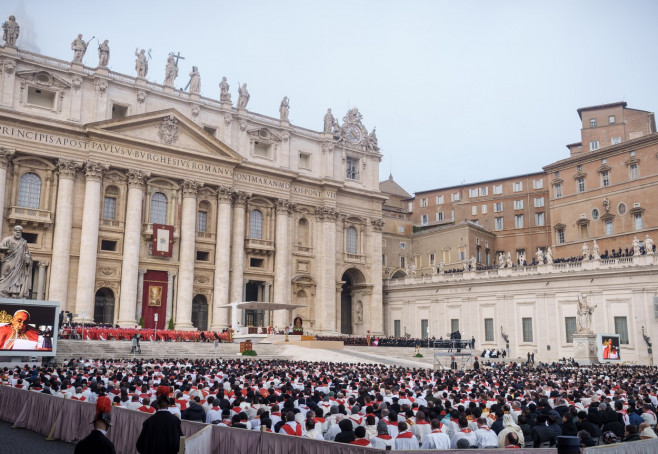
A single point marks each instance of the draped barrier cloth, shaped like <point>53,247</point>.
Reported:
<point>637,447</point>
<point>200,442</point>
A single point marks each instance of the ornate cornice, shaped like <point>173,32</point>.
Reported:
<point>326,214</point>
<point>224,194</point>
<point>6,154</point>
<point>377,224</point>
<point>283,206</point>
<point>136,178</point>
<point>240,198</point>
<point>190,188</point>
<point>94,170</point>
<point>67,168</point>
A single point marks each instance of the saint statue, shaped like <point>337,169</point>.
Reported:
<point>584,319</point>
<point>648,244</point>
<point>549,256</point>
<point>596,252</point>
<point>16,267</point>
<point>171,71</point>
<point>509,259</point>
<point>359,312</point>
<point>585,253</point>
<point>195,80</point>
<point>328,121</point>
<point>79,47</point>
<point>103,54</point>
<point>540,256</point>
<point>141,63</point>
<point>636,246</point>
<point>243,97</point>
<point>284,108</point>
<point>372,141</point>
<point>11,31</point>
<point>224,95</point>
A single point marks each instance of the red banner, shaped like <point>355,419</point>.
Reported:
<point>154,299</point>
<point>163,240</point>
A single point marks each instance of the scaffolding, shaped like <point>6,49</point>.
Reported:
<point>455,354</point>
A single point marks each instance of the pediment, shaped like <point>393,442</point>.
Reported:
<point>168,129</point>
<point>43,79</point>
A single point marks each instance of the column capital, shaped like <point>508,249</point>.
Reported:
<point>283,206</point>
<point>377,224</point>
<point>240,198</point>
<point>94,170</point>
<point>6,155</point>
<point>171,274</point>
<point>141,272</point>
<point>43,264</point>
<point>136,178</point>
<point>224,194</point>
<point>67,168</point>
<point>326,214</point>
<point>190,187</point>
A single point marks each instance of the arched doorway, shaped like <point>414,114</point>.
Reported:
<point>351,278</point>
<point>104,306</point>
<point>399,274</point>
<point>200,313</point>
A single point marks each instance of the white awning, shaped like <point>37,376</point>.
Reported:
<point>263,306</point>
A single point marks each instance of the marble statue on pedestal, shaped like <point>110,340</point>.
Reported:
<point>540,256</point>
<point>284,108</point>
<point>549,256</point>
<point>11,30</point>
<point>195,80</point>
<point>224,95</point>
<point>585,252</point>
<point>328,121</point>
<point>584,319</point>
<point>141,63</point>
<point>648,244</point>
<point>372,141</point>
<point>171,71</point>
<point>79,48</point>
<point>596,252</point>
<point>508,260</point>
<point>243,97</point>
<point>103,53</point>
<point>16,268</point>
<point>636,246</point>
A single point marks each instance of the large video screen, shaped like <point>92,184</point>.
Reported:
<point>609,348</point>
<point>28,328</point>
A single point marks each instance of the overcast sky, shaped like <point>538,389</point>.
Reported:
<point>460,91</point>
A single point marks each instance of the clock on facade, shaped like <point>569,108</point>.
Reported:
<point>353,133</point>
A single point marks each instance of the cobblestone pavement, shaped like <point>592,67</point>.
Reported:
<point>21,440</point>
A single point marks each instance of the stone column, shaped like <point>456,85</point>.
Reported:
<point>186,257</point>
<point>5,156</point>
<point>375,322</point>
<point>237,249</point>
<point>266,298</point>
<point>131,242</point>
<point>89,240</point>
<point>41,286</point>
<point>326,269</point>
<point>282,261</point>
<point>170,296</point>
<point>140,292</point>
<point>9,80</point>
<point>59,271</point>
<point>222,259</point>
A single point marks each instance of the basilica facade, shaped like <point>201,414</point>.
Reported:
<point>143,202</point>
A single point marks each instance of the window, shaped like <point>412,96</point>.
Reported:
<point>403,245</point>
<point>351,240</point>
<point>454,197</point>
<point>559,234</point>
<point>592,123</point>
<point>158,208</point>
<point>527,329</point>
<point>539,202</point>
<point>637,219</point>
<point>539,219</point>
<point>108,245</point>
<point>401,229</point>
<point>632,154</point>
<point>396,328</point>
<point>594,145</point>
<point>109,208</point>
<point>518,221</point>
<point>303,236</point>
<point>253,262</point>
<point>474,210</point>
<point>410,207</point>
<point>473,192</point>
<point>439,200</point>
<point>31,238</point>
<point>621,328</point>
<point>423,203</point>
<point>621,208</point>
<point>611,119</point>
<point>439,216</point>
<point>432,258</point>
<point>615,140</point>
<point>462,254</point>
<point>304,161</point>
<point>518,186</point>
<point>557,191</point>
<point>580,168</point>
<point>633,171</point>
<point>488,330</point>
<point>256,225</point>
<point>424,325</point>
<point>569,328</point>
<point>538,183</point>
<point>403,262</point>
<point>484,209</point>
<point>40,97</point>
<point>383,259</point>
<point>484,191</point>
<point>352,169</point>
<point>498,189</point>
<point>498,223</point>
<point>518,204</point>
<point>580,184</point>
<point>29,191</point>
<point>262,149</point>
<point>498,207</point>
<point>595,214</point>
<point>608,227</point>
<point>452,214</point>
<point>204,256</point>
<point>454,325</point>
<point>605,178</point>
<point>119,111</point>
<point>210,130</point>
<point>423,219</point>
<point>201,221</point>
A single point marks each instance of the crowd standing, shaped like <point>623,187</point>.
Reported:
<point>506,406</point>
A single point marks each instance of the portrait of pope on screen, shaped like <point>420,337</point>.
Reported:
<point>18,335</point>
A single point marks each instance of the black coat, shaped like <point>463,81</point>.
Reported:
<point>96,443</point>
<point>593,429</point>
<point>345,437</point>
<point>160,434</point>
<point>569,428</point>
<point>194,412</point>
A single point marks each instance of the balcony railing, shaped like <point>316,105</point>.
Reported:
<point>259,246</point>
<point>30,216</point>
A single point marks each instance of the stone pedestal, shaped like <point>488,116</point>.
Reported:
<point>585,349</point>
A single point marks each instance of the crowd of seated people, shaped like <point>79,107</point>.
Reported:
<point>373,405</point>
